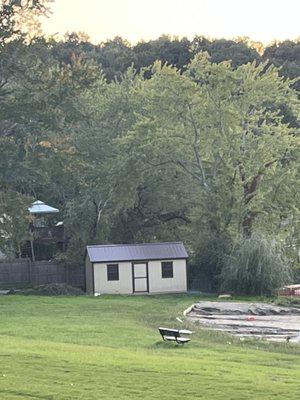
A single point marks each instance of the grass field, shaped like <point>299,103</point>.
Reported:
<point>109,348</point>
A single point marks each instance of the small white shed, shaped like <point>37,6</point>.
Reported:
<point>136,268</point>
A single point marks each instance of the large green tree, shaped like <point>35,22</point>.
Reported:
<point>223,130</point>
<point>37,114</point>
<point>286,55</point>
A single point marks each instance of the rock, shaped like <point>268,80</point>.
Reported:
<point>4,292</point>
<point>224,296</point>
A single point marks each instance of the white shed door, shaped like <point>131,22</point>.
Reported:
<point>140,277</point>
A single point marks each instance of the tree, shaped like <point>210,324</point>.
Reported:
<point>237,51</point>
<point>287,56</point>
<point>13,222</point>
<point>19,18</point>
<point>37,112</point>
<point>14,169</point>
<point>102,111</point>
<point>214,126</point>
<point>256,266</point>
<point>115,56</point>
<point>169,51</point>
<point>204,152</point>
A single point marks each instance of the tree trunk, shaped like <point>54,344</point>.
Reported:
<point>247,223</point>
<point>250,190</point>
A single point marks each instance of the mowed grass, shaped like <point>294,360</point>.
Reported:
<point>109,348</point>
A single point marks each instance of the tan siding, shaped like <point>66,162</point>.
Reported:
<point>178,283</point>
<point>122,286</point>
<point>157,284</point>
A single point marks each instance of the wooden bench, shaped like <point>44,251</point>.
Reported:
<point>174,335</point>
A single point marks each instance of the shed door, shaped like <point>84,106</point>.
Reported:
<point>140,277</point>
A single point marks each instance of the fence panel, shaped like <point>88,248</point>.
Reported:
<point>15,271</point>
<point>23,271</point>
<point>198,281</point>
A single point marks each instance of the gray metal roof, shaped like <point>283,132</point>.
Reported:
<point>136,252</point>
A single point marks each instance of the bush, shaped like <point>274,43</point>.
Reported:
<point>207,262</point>
<point>256,266</point>
<point>288,302</point>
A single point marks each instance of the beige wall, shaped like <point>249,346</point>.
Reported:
<point>122,286</point>
<point>88,276</point>
<point>157,284</point>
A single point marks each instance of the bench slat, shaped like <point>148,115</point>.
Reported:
<point>185,332</point>
<point>169,330</point>
<point>183,339</point>
<point>170,338</point>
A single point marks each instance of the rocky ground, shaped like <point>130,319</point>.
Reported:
<point>256,320</point>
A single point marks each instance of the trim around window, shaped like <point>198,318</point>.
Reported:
<point>112,272</point>
<point>167,269</point>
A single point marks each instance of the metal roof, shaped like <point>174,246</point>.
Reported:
<point>294,286</point>
<point>39,207</point>
<point>136,252</point>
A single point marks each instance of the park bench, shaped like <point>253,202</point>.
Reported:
<point>174,335</point>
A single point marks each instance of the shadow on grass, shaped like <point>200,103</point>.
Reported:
<point>166,345</point>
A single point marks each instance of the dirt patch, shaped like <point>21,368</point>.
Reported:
<point>257,320</point>
<point>53,289</point>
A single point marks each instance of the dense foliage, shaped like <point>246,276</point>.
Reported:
<point>255,266</point>
<point>133,149</point>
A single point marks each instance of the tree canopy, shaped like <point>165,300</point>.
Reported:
<point>169,139</point>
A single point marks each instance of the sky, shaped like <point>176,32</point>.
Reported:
<point>135,20</point>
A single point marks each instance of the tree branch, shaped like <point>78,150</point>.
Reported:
<point>196,148</point>
<point>182,164</point>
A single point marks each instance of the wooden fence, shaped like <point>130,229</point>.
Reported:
<point>25,272</point>
<point>198,280</point>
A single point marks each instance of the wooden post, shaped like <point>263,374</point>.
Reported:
<point>29,271</point>
<point>32,248</point>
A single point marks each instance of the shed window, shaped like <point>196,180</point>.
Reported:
<point>112,272</point>
<point>167,269</point>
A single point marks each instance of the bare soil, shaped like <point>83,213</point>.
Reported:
<point>246,320</point>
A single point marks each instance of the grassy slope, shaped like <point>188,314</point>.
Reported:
<point>108,347</point>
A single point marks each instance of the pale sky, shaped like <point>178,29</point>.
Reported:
<point>261,20</point>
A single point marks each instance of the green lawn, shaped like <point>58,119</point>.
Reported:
<point>109,348</point>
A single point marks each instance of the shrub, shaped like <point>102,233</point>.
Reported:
<point>207,262</point>
<point>256,266</point>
